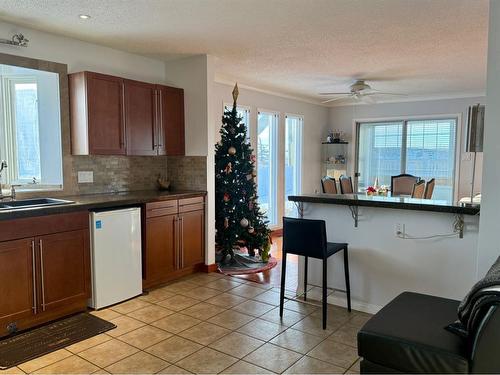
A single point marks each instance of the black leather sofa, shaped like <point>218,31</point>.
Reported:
<point>408,336</point>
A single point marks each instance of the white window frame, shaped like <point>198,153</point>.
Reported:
<point>299,176</point>
<point>404,119</point>
<point>7,128</point>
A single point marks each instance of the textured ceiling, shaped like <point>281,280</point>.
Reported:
<point>297,47</point>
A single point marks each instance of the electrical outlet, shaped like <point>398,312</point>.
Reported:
<point>85,177</point>
<point>399,230</point>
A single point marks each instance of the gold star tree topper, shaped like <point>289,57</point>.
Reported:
<point>235,93</point>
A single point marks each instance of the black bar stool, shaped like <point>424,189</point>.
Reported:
<point>308,238</point>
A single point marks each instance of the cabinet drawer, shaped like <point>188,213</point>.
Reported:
<point>192,207</point>
<point>188,201</point>
<point>162,208</point>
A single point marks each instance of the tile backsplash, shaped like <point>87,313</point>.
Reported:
<point>187,172</point>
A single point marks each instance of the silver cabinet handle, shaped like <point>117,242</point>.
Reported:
<point>33,264</point>
<point>176,234</point>
<point>40,245</point>
<point>181,239</point>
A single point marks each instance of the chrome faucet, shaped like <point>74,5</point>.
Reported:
<point>3,165</point>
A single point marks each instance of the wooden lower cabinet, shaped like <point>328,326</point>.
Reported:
<point>46,275</point>
<point>174,235</point>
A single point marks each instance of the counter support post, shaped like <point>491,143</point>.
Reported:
<point>354,214</point>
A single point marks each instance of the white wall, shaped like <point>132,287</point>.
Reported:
<point>315,120</point>
<point>342,117</point>
<point>489,248</point>
<point>79,55</point>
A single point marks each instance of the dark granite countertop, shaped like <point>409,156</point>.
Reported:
<point>403,203</point>
<point>100,201</point>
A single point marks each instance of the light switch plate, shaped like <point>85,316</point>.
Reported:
<point>85,177</point>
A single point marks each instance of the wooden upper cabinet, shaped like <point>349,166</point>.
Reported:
<point>141,118</point>
<point>96,109</point>
<point>116,116</point>
<point>171,121</point>
<point>17,280</point>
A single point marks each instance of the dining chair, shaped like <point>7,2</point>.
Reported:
<point>329,185</point>
<point>403,184</point>
<point>345,185</point>
<point>429,188</point>
<point>418,190</point>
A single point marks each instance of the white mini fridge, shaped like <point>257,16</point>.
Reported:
<point>116,256</point>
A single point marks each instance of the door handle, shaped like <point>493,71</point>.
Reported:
<point>33,264</point>
<point>40,245</point>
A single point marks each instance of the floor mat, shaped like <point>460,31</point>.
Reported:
<point>50,337</point>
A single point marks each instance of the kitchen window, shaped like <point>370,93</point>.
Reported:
<point>422,147</point>
<point>293,160</point>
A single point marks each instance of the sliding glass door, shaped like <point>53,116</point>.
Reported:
<point>293,157</point>
<point>267,164</point>
<point>423,148</point>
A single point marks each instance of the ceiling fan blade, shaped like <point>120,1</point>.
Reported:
<point>338,98</point>
<point>383,93</point>
<point>334,93</point>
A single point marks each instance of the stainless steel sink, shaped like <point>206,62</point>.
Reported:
<point>32,203</point>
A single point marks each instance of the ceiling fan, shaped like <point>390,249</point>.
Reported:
<point>359,90</point>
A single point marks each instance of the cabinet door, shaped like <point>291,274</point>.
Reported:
<point>161,247</point>
<point>140,118</point>
<point>64,268</point>
<point>17,298</point>
<point>192,234</point>
<point>106,125</point>
<point>171,121</point>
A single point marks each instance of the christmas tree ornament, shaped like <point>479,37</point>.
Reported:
<point>244,222</point>
<point>231,150</point>
<point>249,177</point>
<point>251,229</point>
<point>227,197</point>
<point>229,168</point>
<point>226,222</point>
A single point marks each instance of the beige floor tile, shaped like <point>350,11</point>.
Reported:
<point>106,314</point>
<point>262,329</point>
<point>173,369</point>
<point>296,340</point>
<point>181,286</point>
<point>44,361</point>
<point>201,293</point>
<point>88,343</point>
<point>129,306</point>
<point>204,278</point>
<point>108,353</point>
<point>359,319</point>
<point>253,308</point>
<point>176,323</point>
<point>223,284</point>
<point>203,311</point>
<point>308,365</point>
<point>289,317</point>
<point>145,337</point>
<point>347,334</point>
<point>335,353</point>
<point>139,363</point>
<point>237,344</point>
<point>264,286</point>
<point>246,291</point>
<point>355,368</point>
<point>124,324</point>
<point>11,371</point>
<point>156,295</point>
<point>226,300</point>
<point>271,297</point>
<point>178,303</point>
<point>231,319</point>
<point>150,313</point>
<point>273,357</point>
<point>207,361</point>
<point>69,365</point>
<point>334,315</point>
<point>174,349</point>
<point>314,326</point>
<point>204,333</point>
<point>300,307</point>
<point>242,367</point>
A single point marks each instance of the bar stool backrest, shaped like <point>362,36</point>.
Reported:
<point>329,185</point>
<point>345,185</point>
<point>304,237</point>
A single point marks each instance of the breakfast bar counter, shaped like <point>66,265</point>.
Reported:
<point>396,244</point>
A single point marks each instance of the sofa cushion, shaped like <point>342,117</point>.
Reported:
<point>408,335</point>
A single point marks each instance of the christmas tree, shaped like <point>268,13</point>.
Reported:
<point>239,222</point>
